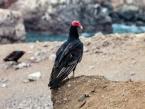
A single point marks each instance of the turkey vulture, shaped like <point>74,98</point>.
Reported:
<point>14,56</point>
<point>67,57</point>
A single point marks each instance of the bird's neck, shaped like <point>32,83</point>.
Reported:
<point>73,33</point>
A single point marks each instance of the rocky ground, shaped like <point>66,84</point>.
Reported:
<point>116,57</point>
<point>99,93</point>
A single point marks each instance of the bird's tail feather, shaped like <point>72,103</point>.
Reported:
<point>54,84</point>
<point>56,78</point>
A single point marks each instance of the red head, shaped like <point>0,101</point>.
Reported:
<point>76,24</point>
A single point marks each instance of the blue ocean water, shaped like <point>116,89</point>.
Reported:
<point>41,37</point>
<point>117,28</point>
<point>122,28</point>
<point>34,36</point>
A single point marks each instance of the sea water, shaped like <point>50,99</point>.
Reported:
<point>117,28</point>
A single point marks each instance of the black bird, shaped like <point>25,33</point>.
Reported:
<point>14,56</point>
<point>67,57</point>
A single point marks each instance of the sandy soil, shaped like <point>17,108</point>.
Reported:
<point>118,58</point>
<point>98,93</point>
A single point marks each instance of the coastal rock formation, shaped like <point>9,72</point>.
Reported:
<point>117,3</point>
<point>128,12</point>
<point>55,16</point>
<point>11,27</point>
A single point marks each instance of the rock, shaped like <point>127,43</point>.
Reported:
<point>11,27</point>
<point>88,43</point>
<point>98,52</point>
<point>91,67</point>
<point>118,3</point>
<point>34,76</point>
<point>128,7</point>
<point>65,99</point>
<point>86,49</point>
<point>30,9</point>
<point>32,12</point>
<point>9,64</point>
<point>83,97</point>
<point>22,65</point>
<point>105,44</point>
<point>132,74</point>
<point>38,14</point>
<point>25,81</point>
<point>69,85</point>
<point>3,80</point>
<point>6,3</point>
<point>45,44</point>
<point>3,85</point>
<point>52,57</point>
<point>39,55</point>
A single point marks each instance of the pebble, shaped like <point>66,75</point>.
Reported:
<point>32,58</point>
<point>105,44</point>
<point>83,97</point>
<point>3,85</point>
<point>69,85</point>
<point>91,67</point>
<point>39,56</point>
<point>34,76</point>
<point>98,52</point>
<point>22,65</point>
<point>86,49</point>
<point>52,57</point>
<point>9,64</point>
<point>132,74</point>
<point>65,99</point>
<point>45,44</point>
<point>25,80</point>
<point>3,80</point>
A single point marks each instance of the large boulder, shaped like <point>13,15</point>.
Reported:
<point>32,11</point>
<point>93,16</point>
<point>117,3</point>
<point>11,26</point>
<point>129,14</point>
<point>6,3</point>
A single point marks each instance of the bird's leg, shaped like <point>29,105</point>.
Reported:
<point>73,74</point>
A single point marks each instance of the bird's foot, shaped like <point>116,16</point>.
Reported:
<point>72,77</point>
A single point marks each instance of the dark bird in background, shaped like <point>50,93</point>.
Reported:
<point>14,56</point>
<point>67,57</point>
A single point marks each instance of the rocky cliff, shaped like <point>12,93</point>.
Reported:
<point>128,11</point>
<point>96,15</point>
<point>55,16</point>
<point>11,27</point>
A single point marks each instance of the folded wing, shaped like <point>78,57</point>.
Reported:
<point>67,59</point>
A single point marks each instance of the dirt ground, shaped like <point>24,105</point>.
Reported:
<point>99,93</point>
<point>116,57</point>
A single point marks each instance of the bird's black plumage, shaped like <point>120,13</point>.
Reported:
<point>14,56</point>
<point>67,58</point>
